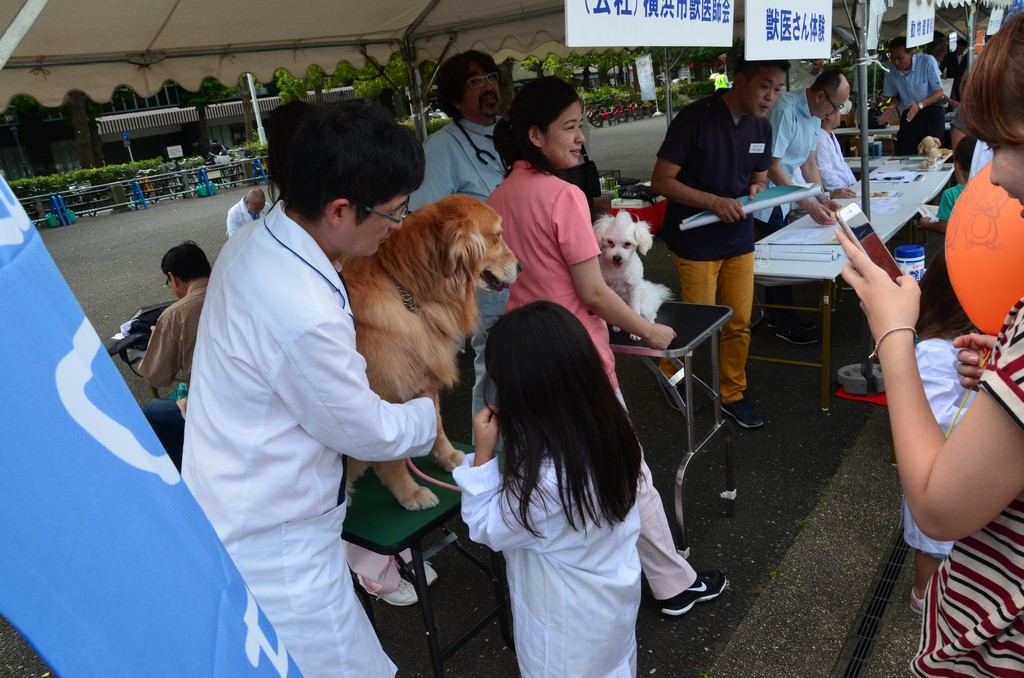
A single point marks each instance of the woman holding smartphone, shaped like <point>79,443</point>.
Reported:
<point>969,487</point>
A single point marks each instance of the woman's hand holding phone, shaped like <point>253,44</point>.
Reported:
<point>885,305</point>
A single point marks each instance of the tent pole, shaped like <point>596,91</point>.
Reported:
<point>863,16</point>
<point>667,74</point>
<point>23,21</point>
<point>256,110</point>
<point>971,17</point>
<point>416,92</point>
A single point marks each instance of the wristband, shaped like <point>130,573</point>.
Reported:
<point>920,105</point>
<point>886,334</point>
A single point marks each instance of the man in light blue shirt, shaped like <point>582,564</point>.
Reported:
<point>461,159</point>
<point>796,120</point>
<point>915,85</point>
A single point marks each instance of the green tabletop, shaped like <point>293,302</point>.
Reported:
<point>376,521</point>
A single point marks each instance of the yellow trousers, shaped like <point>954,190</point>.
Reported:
<point>729,282</point>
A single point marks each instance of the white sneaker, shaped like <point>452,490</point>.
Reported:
<point>403,596</point>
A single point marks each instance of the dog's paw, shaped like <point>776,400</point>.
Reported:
<point>449,459</point>
<point>420,500</point>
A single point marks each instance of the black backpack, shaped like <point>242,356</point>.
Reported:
<point>137,337</point>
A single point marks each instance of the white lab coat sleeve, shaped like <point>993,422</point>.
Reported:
<point>322,379</point>
<point>236,219</point>
<point>835,173</point>
<point>490,519</point>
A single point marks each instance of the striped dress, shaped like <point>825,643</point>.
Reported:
<point>974,623</point>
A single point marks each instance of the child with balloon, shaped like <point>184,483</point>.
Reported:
<point>970,487</point>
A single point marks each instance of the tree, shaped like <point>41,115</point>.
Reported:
<point>532,63</point>
<point>247,105</point>
<point>80,123</point>
<point>209,91</point>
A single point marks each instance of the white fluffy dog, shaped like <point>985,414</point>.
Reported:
<point>621,237</point>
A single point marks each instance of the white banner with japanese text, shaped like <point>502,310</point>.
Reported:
<point>995,20</point>
<point>788,29</point>
<point>645,74</point>
<point>667,23</point>
<point>920,22</point>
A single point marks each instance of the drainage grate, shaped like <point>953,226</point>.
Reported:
<point>853,658</point>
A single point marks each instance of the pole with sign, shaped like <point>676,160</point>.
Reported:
<point>127,144</point>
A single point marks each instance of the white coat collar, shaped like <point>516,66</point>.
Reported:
<point>297,240</point>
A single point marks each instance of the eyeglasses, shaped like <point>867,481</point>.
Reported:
<point>167,280</point>
<point>830,103</point>
<point>395,217</point>
<point>476,81</point>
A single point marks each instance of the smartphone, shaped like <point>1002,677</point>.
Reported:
<point>853,221</point>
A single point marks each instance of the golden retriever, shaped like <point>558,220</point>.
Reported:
<point>414,303</point>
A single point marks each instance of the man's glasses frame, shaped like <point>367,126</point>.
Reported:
<point>477,81</point>
<point>396,217</point>
<point>830,103</point>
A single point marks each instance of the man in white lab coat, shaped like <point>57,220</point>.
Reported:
<point>279,396</point>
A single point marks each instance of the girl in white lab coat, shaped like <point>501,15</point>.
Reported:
<point>563,509</point>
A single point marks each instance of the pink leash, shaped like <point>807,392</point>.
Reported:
<point>430,480</point>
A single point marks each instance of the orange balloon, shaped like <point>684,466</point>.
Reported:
<point>985,252</point>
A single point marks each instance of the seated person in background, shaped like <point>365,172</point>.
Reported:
<point>962,157</point>
<point>169,355</point>
<point>251,207</point>
<point>836,176</point>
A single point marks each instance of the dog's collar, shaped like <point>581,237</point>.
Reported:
<point>406,295</point>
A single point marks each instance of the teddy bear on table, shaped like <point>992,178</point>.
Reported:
<point>931,149</point>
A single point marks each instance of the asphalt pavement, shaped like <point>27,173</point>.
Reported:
<point>802,544</point>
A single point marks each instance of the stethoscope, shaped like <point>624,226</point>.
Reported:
<point>485,157</point>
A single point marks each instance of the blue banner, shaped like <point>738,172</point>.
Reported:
<point>109,566</point>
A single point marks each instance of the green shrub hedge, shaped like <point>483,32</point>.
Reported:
<point>52,183</point>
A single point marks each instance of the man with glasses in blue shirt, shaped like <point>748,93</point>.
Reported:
<point>796,119</point>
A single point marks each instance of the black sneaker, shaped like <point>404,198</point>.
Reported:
<point>798,335</point>
<point>708,586</point>
<point>743,413</point>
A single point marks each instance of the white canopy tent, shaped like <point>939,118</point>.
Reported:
<point>51,47</point>
<point>95,45</point>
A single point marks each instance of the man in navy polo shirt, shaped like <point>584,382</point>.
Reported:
<point>716,149</point>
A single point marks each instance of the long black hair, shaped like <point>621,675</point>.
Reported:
<point>555,403</point>
<point>538,104</point>
<point>942,316</point>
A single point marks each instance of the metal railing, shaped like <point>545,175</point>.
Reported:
<point>64,207</point>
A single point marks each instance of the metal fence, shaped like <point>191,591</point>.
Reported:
<point>64,207</point>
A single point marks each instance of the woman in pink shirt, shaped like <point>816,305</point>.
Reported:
<point>547,221</point>
<point>547,224</point>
